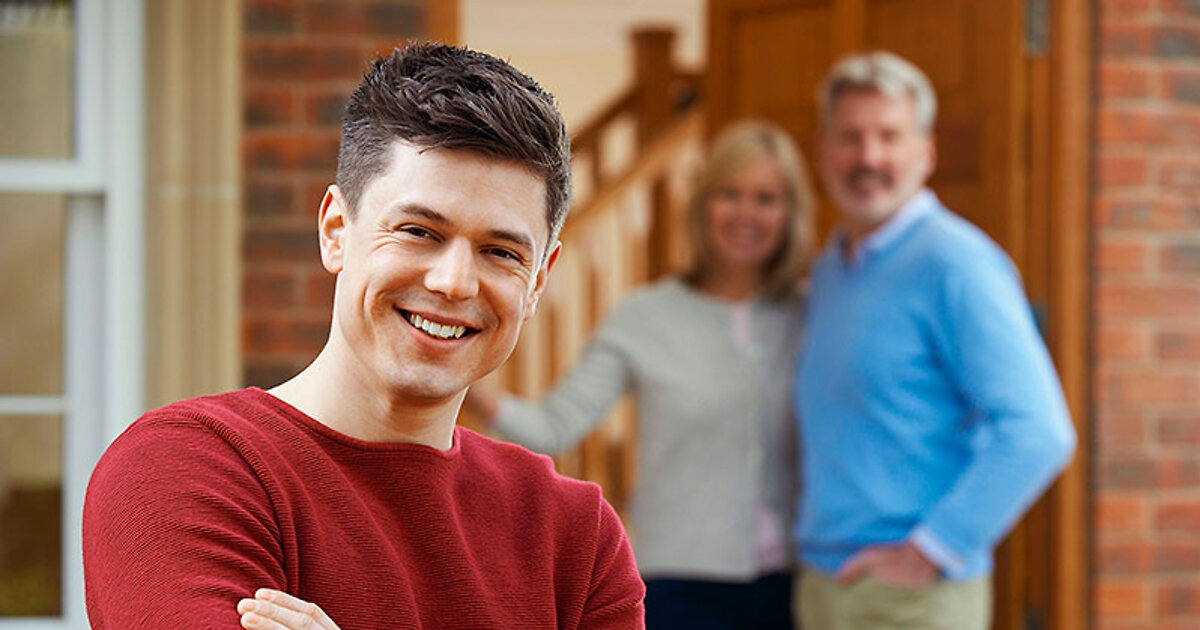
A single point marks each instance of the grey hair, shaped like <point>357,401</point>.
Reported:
<point>883,72</point>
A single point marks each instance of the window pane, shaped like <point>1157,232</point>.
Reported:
<point>30,516</point>
<point>37,47</point>
<point>31,312</point>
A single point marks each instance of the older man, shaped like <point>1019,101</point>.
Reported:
<point>931,415</point>
<point>348,493</point>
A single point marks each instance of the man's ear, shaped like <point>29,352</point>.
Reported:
<point>331,227</point>
<point>539,283</point>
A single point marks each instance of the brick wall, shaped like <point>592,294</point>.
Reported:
<point>301,59</point>
<point>1147,316</point>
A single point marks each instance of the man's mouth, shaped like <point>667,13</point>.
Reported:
<point>862,179</point>
<point>436,330</point>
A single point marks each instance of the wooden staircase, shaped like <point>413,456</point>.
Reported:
<point>624,230</point>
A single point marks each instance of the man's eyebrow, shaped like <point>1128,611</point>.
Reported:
<point>515,238</point>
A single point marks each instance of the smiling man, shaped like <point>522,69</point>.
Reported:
<point>347,493</point>
<point>930,414</point>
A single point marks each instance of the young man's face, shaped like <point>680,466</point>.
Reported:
<point>438,269</point>
<point>874,156</point>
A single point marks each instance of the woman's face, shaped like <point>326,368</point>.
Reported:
<point>747,215</point>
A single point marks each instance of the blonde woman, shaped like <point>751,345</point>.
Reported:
<point>708,356</point>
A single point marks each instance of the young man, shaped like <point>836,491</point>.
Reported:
<point>930,413</point>
<point>348,493</point>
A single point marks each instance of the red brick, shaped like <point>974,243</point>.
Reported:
<point>1121,256</point>
<point>1177,42</point>
<point>275,61</point>
<point>269,107</point>
<point>1180,175</point>
<point>276,152</point>
<point>1135,300</point>
<point>398,20</point>
<point>1144,472</point>
<point>1124,558</point>
<point>1180,128</point>
<point>1180,430</point>
<point>1123,80</point>
<point>1148,387</point>
<point>323,108</point>
<point>1181,258</point>
<point>268,372</point>
<point>1126,598</point>
<point>1120,430</point>
<point>268,289</point>
<point>1128,125</point>
<point>1146,214</point>
<point>282,244</point>
<point>269,17</point>
<point>1183,87</point>
<point>1178,556</point>
<point>267,197</point>
<point>272,334</point>
<point>1179,344</point>
<point>1122,170</point>
<point>1121,342</point>
<point>1121,40</point>
<point>1123,9</point>
<point>1179,8</point>
<point>1179,599</point>
<point>318,289</point>
<point>1119,513</point>
<point>1178,515</point>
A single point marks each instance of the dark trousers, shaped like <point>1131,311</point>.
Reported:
<point>764,604</point>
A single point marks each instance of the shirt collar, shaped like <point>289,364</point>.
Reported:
<point>886,235</point>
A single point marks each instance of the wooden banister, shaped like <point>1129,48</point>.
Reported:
<point>626,231</point>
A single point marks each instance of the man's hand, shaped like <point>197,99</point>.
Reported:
<point>276,610</point>
<point>900,565</point>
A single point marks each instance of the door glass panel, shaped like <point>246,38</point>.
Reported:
<point>31,311</point>
<point>30,516</point>
<point>37,68</point>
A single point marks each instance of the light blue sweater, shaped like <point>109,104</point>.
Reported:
<point>928,406</point>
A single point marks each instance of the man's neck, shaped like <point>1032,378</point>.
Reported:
<point>358,404</point>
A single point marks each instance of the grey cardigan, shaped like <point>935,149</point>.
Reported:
<point>715,430</point>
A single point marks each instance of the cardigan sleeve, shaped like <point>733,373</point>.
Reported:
<point>578,402</point>
<point>997,360</point>
<point>176,529</point>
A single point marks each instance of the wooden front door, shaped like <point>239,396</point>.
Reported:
<point>766,58</point>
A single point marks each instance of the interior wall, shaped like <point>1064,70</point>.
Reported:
<point>579,50</point>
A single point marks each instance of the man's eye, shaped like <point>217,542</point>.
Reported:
<point>502,253</point>
<point>414,230</point>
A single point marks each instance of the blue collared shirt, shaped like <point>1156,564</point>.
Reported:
<point>929,408</point>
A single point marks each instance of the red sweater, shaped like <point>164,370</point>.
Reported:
<point>201,502</point>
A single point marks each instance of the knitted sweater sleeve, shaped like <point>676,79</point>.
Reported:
<point>1001,367</point>
<point>176,529</point>
<point>615,599</point>
<point>579,401</point>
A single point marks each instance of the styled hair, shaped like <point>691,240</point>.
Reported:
<point>436,96</point>
<point>883,72</point>
<point>737,146</point>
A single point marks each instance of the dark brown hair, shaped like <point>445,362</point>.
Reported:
<point>436,96</point>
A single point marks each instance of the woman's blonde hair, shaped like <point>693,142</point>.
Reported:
<point>736,147</point>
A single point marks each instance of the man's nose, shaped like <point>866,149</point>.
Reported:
<point>452,272</point>
<point>871,151</point>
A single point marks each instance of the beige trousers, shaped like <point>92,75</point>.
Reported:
<point>820,604</point>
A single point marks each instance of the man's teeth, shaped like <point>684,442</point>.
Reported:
<point>437,330</point>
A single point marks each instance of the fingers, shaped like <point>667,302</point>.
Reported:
<point>856,568</point>
<point>276,610</point>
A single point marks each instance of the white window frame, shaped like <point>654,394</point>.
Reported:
<point>105,287</point>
